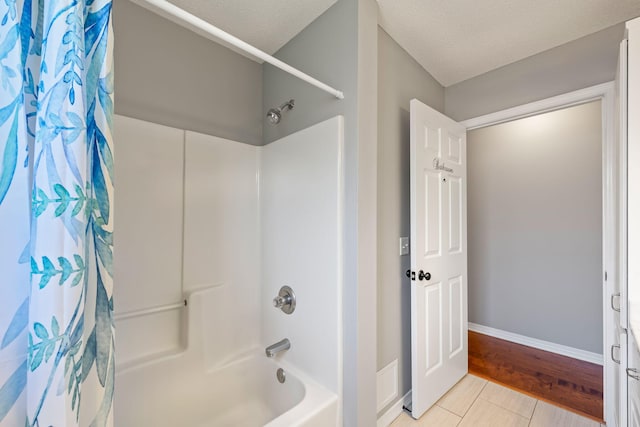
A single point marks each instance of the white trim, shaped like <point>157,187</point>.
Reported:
<point>394,411</point>
<point>340,278</point>
<point>563,350</point>
<point>610,188</point>
<point>206,29</point>
<point>622,80</point>
<point>622,182</point>
<point>561,101</point>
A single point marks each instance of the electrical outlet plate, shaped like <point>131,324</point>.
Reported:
<point>404,246</point>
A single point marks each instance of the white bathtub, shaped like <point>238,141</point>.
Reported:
<point>245,393</point>
<point>205,385</point>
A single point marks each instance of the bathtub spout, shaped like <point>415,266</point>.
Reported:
<point>276,348</point>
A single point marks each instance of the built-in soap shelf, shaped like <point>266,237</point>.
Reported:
<point>153,334</point>
<point>151,310</point>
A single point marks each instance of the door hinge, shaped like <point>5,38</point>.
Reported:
<point>633,373</point>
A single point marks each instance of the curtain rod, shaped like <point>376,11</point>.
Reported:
<point>184,18</point>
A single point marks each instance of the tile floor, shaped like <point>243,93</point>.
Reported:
<point>475,402</point>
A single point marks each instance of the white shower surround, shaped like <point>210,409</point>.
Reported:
<point>255,218</point>
<point>301,229</point>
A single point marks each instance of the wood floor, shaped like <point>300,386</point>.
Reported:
<point>567,382</point>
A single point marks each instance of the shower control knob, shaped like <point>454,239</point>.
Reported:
<point>285,300</point>
<point>279,301</point>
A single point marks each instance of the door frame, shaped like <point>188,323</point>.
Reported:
<point>604,92</point>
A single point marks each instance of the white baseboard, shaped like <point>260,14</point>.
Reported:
<point>564,350</point>
<point>394,411</point>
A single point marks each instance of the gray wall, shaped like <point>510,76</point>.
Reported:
<point>578,64</point>
<point>535,226</point>
<point>328,50</point>
<point>400,79</point>
<point>364,296</point>
<point>169,75</point>
<point>338,48</point>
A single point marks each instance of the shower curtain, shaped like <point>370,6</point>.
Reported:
<point>56,231</point>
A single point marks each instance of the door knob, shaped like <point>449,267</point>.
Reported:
<point>424,276</point>
<point>421,275</point>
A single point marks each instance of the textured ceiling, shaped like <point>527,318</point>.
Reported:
<point>458,39</point>
<point>267,25</point>
<point>452,39</point>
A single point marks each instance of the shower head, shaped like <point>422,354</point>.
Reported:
<point>275,114</point>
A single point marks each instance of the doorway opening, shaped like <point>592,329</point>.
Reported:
<point>541,232</point>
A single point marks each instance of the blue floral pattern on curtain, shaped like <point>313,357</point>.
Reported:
<point>56,229</point>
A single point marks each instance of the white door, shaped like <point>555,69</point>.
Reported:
<point>438,255</point>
